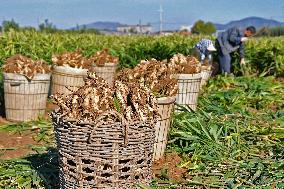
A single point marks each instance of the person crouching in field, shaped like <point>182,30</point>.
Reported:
<point>229,41</point>
<point>203,50</point>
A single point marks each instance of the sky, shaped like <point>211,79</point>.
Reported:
<point>68,13</point>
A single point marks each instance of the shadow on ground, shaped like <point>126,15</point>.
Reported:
<point>46,166</point>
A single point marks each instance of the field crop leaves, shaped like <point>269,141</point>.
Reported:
<point>235,139</point>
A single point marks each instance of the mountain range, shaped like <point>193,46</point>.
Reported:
<point>109,26</point>
<point>250,21</point>
<point>258,22</point>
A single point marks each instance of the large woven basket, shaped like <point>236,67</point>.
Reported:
<point>65,79</point>
<point>101,155</point>
<point>165,108</point>
<point>188,90</point>
<point>107,72</point>
<point>205,74</point>
<point>25,100</point>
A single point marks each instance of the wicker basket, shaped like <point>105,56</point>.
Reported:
<point>188,90</point>
<point>25,100</point>
<point>65,79</point>
<point>165,108</point>
<point>205,74</point>
<point>107,72</point>
<point>100,155</point>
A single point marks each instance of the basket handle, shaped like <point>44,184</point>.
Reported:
<point>15,84</point>
<point>122,120</point>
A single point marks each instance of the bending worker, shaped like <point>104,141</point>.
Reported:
<point>203,50</point>
<point>229,41</point>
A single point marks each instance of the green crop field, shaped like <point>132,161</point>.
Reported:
<point>264,55</point>
<point>235,139</point>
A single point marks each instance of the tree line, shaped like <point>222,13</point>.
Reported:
<point>45,26</point>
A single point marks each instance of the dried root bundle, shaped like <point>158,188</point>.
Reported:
<point>156,75</point>
<point>206,65</point>
<point>132,100</point>
<point>100,58</point>
<point>25,66</point>
<point>72,59</point>
<point>186,64</point>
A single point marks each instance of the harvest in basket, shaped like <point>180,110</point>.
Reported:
<point>105,135</point>
<point>188,70</point>
<point>158,76</point>
<point>105,65</point>
<point>206,72</point>
<point>26,85</point>
<point>69,70</point>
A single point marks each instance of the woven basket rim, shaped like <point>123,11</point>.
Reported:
<point>188,76</point>
<point>107,64</point>
<point>21,77</point>
<point>166,100</point>
<point>69,70</point>
<point>56,114</point>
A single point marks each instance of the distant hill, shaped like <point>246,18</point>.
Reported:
<point>109,26</point>
<point>250,21</point>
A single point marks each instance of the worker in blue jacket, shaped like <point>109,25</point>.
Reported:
<point>229,41</point>
<point>204,49</point>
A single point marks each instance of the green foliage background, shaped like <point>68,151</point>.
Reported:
<point>264,55</point>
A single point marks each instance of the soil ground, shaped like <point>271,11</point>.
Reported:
<point>14,145</point>
<point>167,167</point>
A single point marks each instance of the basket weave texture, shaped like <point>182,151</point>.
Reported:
<point>188,90</point>
<point>25,100</point>
<point>107,72</point>
<point>165,108</point>
<point>65,79</point>
<point>101,155</point>
<point>205,74</point>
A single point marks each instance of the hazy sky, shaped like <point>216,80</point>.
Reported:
<point>68,13</point>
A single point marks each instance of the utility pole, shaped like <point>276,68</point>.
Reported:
<point>140,26</point>
<point>161,18</point>
<point>3,26</point>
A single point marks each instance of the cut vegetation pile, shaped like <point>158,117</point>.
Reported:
<point>72,59</point>
<point>103,57</point>
<point>133,101</point>
<point>158,76</point>
<point>23,65</point>
<point>186,64</point>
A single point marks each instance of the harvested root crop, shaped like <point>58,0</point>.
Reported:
<point>100,58</point>
<point>25,66</point>
<point>132,100</point>
<point>72,59</point>
<point>186,64</point>
<point>156,75</point>
<point>206,65</point>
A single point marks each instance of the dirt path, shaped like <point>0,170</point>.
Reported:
<point>167,166</point>
<point>15,145</point>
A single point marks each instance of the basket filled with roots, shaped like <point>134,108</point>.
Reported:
<point>26,86</point>
<point>188,70</point>
<point>69,71</point>
<point>105,135</point>
<point>159,77</point>
<point>206,72</point>
<point>104,65</point>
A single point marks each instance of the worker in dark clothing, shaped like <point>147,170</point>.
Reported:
<point>229,41</point>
